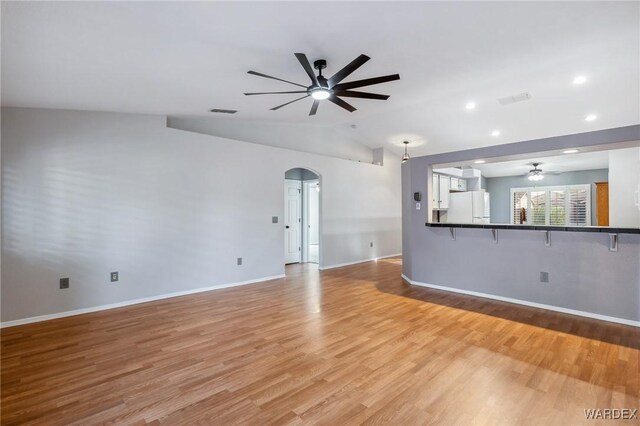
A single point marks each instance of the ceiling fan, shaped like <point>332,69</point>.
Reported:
<point>536,174</point>
<point>329,88</point>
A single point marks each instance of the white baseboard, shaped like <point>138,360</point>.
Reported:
<point>132,302</point>
<point>340,265</point>
<point>526,303</point>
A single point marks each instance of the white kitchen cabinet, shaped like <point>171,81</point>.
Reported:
<point>440,191</point>
<point>435,190</point>
<point>453,183</point>
<point>458,184</point>
<point>444,184</point>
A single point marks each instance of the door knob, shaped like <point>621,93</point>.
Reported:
<point>287,226</point>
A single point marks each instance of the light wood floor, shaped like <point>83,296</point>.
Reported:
<point>345,346</point>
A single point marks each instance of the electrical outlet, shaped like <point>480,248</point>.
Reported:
<point>544,277</point>
<point>371,244</point>
<point>114,277</point>
<point>239,261</point>
<point>64,283</point>
<point>274,219</point>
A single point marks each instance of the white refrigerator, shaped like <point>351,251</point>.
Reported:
<point>469,207</point>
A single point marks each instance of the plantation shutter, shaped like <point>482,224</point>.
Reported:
<point>578,207</point>
<point>551,205</point>
<point>557,208</point>
<point>538,207</point>
<point>520,201</point>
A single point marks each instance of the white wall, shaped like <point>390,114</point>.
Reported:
<point>87,193</point>
<point>298,137</point>
<point>624,181</point>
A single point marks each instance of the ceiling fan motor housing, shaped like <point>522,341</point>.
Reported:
<point>322,82</point>
<point>320,64</point>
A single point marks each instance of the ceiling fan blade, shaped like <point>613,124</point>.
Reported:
<point>363,95</point>
<point>314,107</point>
<point>344,72</point>
<point>341,103</point>
<point>275,93</point>
<point>274,78</point>
<point>280,106</point>
<point>366,82</point>
<point>307,67</point>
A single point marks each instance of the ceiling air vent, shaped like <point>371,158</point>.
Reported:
<point>526,96</point>
<point>223,111</point>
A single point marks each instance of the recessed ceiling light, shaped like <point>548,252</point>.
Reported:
<point>470,105</point>
<point>570,151</point>
<point>590,117</point>
<point>580,79</point>
<point>495,133</point>
<point>479,162</point>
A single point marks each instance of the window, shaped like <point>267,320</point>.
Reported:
<point>557,210</point>
<point>579,206</point>
<point>520,200</point>
<point>538,207</point>
<point>551,205</point>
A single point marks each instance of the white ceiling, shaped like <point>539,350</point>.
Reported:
<point>558,163</point>
<point>183,58</point>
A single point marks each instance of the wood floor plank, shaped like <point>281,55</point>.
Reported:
<point>353,345</point>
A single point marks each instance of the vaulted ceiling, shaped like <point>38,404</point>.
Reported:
<point>182,59</point>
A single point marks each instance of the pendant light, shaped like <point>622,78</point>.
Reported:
<point>405,157</point>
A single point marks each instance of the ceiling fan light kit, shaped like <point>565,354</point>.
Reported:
<point>332,89</point>
<point>320,93</point>
<point>535,174</point>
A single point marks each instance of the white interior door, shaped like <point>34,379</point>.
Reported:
<point>311,222</point>
<point>292,219</point>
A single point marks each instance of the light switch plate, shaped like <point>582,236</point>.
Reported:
<point>114,277</point>
<point>417,206</point>
<point>274,219</point>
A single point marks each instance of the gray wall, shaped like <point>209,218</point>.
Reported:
<point>584,275</point>
<point>87,193</point>
<point>500,189</point>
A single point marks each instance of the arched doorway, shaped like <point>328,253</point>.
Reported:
<point>302,236</point>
